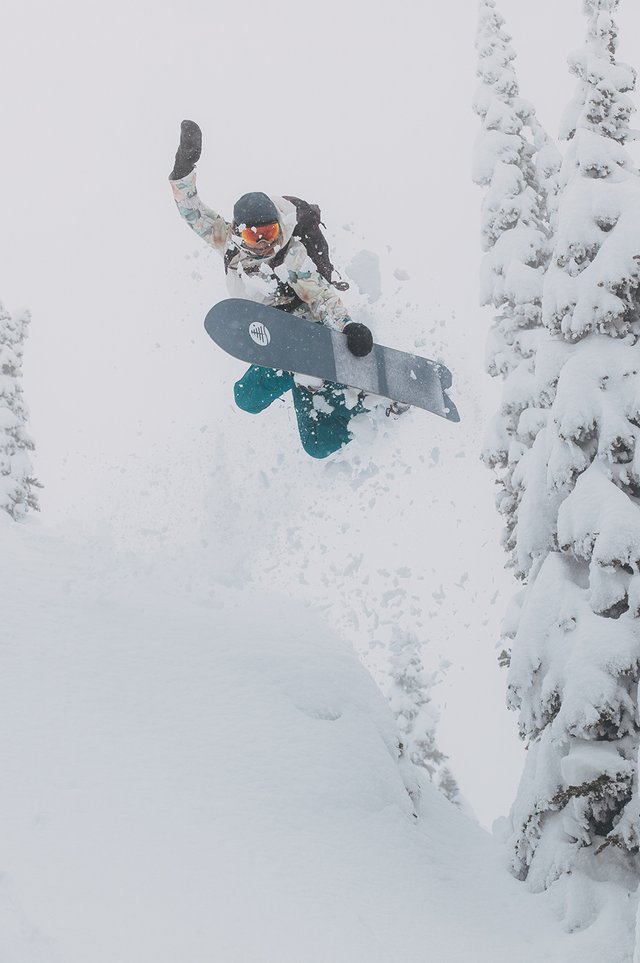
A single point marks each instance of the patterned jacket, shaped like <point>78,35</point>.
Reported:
<point>294,284</point>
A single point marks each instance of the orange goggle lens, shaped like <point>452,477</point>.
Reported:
<point>262,232</point>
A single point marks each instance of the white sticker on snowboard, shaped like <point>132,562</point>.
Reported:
<point>259,333</point>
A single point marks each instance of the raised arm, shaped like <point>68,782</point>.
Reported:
<point>208,225</point>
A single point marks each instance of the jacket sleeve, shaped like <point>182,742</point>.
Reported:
<point>208,225</point>
<point>300,273</point>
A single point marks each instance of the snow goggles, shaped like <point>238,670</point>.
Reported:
<point>261,232</point>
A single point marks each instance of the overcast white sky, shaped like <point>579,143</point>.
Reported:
<point>363,107</point>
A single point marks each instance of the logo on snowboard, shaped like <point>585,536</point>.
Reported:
<point>259,333</point>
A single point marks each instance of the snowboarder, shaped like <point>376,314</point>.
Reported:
<point>265,262</point>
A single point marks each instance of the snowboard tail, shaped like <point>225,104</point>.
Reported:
<point>262,335</point>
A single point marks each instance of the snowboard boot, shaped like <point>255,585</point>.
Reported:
<point>260,387</point>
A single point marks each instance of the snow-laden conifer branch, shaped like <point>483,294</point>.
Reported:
<point>17,479</point>
<point>518,165</point>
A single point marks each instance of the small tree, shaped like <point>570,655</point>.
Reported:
<point>17,480</point>
<point>410,697</point>
<point>576,650</point>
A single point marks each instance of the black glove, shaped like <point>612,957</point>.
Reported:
<point>188,153</point>
<point>359,338</point>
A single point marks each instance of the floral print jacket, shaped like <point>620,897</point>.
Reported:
<point>295,283</point>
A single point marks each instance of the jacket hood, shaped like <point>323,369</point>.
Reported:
<point>287,217</point>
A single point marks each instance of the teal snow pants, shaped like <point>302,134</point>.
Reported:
<point>323,427</point>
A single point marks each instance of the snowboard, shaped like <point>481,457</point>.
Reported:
<point>262,335</point>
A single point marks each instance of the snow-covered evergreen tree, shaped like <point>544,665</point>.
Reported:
<point>518,164</point>
<point>17,480</point>
<point>411,700</point>
<point>576,627</point>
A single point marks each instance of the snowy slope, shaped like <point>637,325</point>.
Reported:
<point>126,391</point>
<point>396,534</point>
<point>217,781</point>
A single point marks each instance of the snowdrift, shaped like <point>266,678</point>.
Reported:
<point>217,781</point>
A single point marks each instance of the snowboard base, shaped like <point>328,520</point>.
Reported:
<point>262,335</point>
